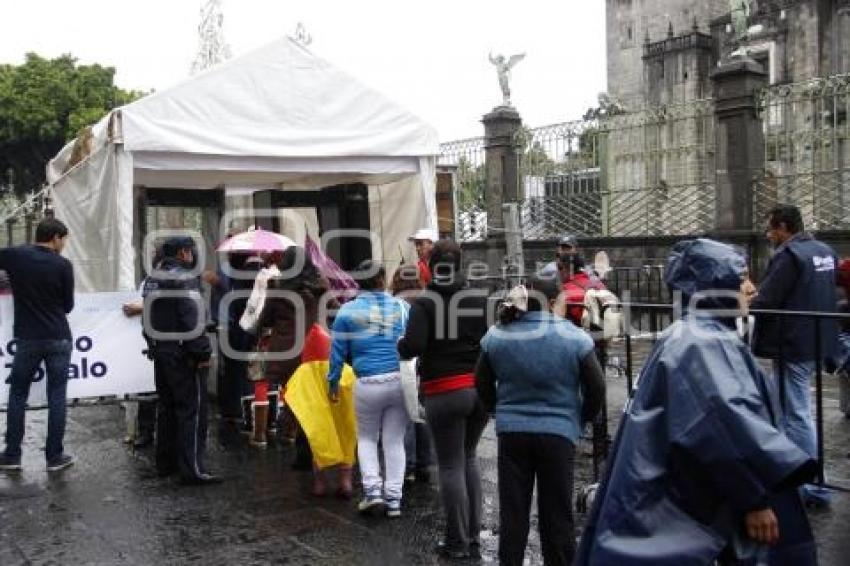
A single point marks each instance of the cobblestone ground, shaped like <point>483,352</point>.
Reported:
<point>111,509</point>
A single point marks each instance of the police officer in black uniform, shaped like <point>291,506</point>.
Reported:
<point>174,327</point>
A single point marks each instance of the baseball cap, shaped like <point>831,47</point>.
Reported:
<point>568,240</point>
<point>425,234</point>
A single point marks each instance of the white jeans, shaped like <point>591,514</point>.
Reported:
<point>381,414</point>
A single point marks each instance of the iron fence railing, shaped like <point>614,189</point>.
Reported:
<point>659,316</point>
<point>807,151</point>
<point>18,218</point>
<point>644,173</point>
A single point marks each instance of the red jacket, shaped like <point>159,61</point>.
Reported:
<point>575,289</point>
<point>424,272</point>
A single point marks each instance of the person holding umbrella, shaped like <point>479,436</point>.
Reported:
<point>259,399</point>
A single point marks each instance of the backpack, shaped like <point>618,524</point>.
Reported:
<point>602,313</point>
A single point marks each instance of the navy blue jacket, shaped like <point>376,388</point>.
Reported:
<point>801,276</point>
<point>43,285</point>
<point>178,312</point>
<point>697,447</point>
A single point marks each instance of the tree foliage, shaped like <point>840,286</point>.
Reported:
<point>470,180</point>
<point>43,104</point>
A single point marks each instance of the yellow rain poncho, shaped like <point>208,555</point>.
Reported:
<point>331,428</point>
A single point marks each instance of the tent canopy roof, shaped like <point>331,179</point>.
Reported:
<point>279,101</point>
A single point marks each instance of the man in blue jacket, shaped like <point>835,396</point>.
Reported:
<point>801,276</point>
<point>699,470</point>
<point>43,287</point>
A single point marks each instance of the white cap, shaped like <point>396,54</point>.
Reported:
<point>425,234</point>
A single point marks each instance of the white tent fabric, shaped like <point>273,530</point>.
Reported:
<point>279,115</point>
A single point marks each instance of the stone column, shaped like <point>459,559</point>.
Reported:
<point>740,141</point>
<point>502,178</point>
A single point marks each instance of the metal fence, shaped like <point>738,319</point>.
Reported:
<point>467,157</point>
<point>807,152</point>
<point>660,170</point>
<point>18,218</point>
<point>639,174</point>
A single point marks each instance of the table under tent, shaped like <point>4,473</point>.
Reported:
<point>278,138</point>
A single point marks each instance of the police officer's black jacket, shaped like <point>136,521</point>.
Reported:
<point>176,313</point>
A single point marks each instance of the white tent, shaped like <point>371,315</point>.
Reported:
<point>279,117</point>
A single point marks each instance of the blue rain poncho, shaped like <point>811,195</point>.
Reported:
<point>697,447</point>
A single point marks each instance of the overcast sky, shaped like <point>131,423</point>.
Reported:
<point>429,56</point>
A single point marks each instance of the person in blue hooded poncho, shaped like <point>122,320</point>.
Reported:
<point>699,471</point>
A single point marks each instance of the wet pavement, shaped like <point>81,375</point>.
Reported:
<point>110,508</point>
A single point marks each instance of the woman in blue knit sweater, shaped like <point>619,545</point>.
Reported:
<point>540,373</point>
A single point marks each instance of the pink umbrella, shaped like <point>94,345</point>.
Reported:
<point>258,240</point>
<point>339,280</point>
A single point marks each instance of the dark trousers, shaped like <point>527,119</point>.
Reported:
<point>232,384</point>
<point>457,420</point>
<point>56,355</point>
<point>417,447</point>
<point>548,458</point>
<point>181,426</point>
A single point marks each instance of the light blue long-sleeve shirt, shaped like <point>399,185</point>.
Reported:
<point>365,333</point>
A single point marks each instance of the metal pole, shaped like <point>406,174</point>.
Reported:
<point>629,383</point>
<point>819,403</point>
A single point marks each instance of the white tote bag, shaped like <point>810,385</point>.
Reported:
<point>409,379</point>
<point>410,388</point>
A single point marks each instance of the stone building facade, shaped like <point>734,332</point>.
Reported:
<point>657,27</point>
<point>662,51</point>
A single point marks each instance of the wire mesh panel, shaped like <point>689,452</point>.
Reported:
<point>560,176</point>
<point>467,157</point>
<point>638,174</point>
<point>659,169</point>
<point>807,154</point>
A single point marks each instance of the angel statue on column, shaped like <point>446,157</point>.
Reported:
<point>503,69</point>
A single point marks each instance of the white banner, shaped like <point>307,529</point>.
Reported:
<point>107,357</point>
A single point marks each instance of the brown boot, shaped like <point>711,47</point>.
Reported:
<point>320,485</point>
<point>261,415</point>
<point>345,489</point>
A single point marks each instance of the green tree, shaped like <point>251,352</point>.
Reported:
<point>471,181</point>
<point>43,104</point>
<point>534,160</point>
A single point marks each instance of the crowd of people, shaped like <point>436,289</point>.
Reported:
<point>712,460</point>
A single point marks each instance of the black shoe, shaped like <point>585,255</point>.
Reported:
<point>203,479</point>
<point>165,472</point>
<point>143,441</point>
<point>60,463</point>
<point>475,550</point>
<point>9,464</point>
<point>451,553</point>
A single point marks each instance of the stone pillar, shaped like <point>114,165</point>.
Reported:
<point>740,141</point>
<point>502,178</point>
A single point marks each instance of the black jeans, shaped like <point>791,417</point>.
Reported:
<point>457,419</point>
<point>548,458</point>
